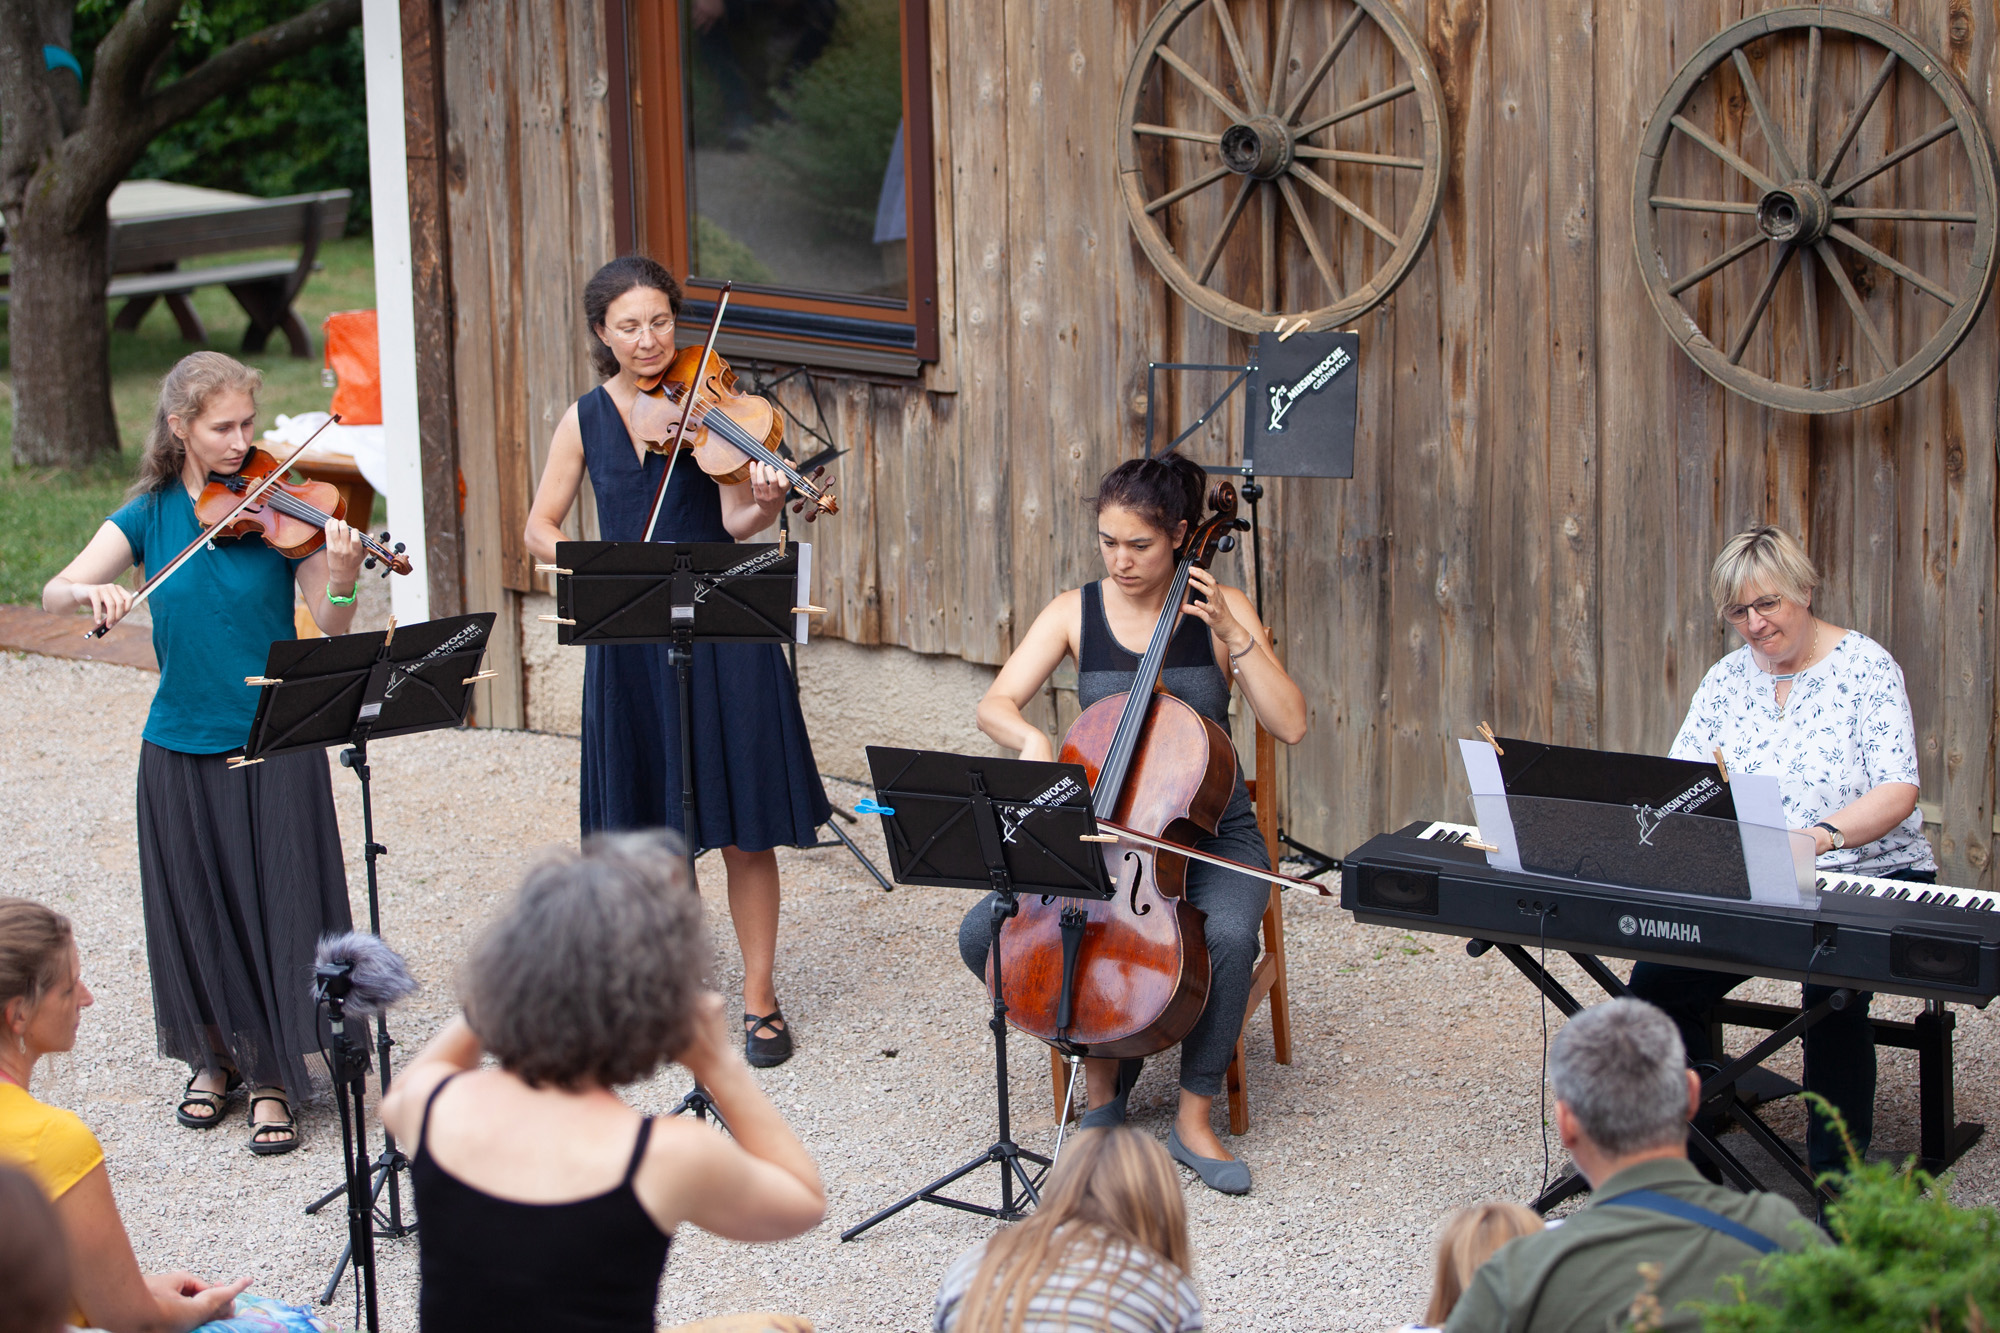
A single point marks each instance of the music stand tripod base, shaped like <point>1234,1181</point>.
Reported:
<point>1006,825</point>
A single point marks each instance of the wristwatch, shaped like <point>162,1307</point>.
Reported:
<point>1839,838</point>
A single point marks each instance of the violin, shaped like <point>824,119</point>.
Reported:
<point>290,516</point>
<point>694,404</point>
<point>1128,976</point>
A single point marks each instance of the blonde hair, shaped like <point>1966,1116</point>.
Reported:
<point>34,945</point>
<point>1114,1192</point>
<point>185,392</point>
<point>1468,1239</point>
<point>1767,555</point>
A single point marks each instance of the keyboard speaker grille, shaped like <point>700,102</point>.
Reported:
<point>1394,888</point>
<point>1939,959</point>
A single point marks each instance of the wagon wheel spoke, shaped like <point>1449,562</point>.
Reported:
<point>1269,248</point>
<point>1279,47</point>
<point>1894,265</point>
<point>1342,202</point>
<point>1307,234</point>
<point>1809,297</point>
<point>1860,178</point>
<point>1774,142</point>
<point>1703,205</point>
<point>1173,132</point>
<point>1854,306</point>
<point>1758,307</point>
<point>1198,183</point>
<point>1851,214</point>
<point>1700,136</point>
<point>1366,104</point>
<point>1371,159</point>
<point>1719,263</point>
<point>1320,67</point>
<point>1812,127</point>
<point>1229,217</point>
<point>1214,94</point>
<point>1236,56</point>
<point>1854,119</point>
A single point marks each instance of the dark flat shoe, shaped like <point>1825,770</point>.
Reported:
<point>1113,1111</point>
<point>288,1126</point>
<point>216,1102</point>
<point>1221,1174</point>
<point>766,1052</point>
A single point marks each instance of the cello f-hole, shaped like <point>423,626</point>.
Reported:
<point>1138,873</point>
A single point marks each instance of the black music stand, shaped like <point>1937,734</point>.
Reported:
<point>347,691</point>
<point>1006,825</point>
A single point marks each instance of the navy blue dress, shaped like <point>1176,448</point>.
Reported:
<point>756,784</point>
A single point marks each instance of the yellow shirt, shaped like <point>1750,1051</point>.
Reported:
<point>50,1144</point>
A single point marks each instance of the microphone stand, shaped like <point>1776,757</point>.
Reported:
<point>332,983</point>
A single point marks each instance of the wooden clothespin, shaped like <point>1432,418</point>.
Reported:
<point>258,682</point>
<point>1284,334</point>
<point>390,637</point>
<point>1478,846</point>
<point>1487,732</point>
<point>552,569</point>
<point>782,535</point>
<point>1097,837</point>
<point>474,680</point>
<point>240,762</point>
<point>556,620</point>
<point>808,610</point>
<point>1721,767</point>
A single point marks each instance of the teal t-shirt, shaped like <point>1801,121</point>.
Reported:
<point>213,623</point>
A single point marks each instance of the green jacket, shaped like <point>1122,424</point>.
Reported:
<point>1581,1275</point>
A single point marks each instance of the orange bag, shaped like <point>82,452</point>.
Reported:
<point>355,358</point>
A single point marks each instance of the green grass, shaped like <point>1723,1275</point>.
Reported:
<point>46,514</point>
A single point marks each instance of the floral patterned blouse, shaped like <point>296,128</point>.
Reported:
<point>1845,729</point>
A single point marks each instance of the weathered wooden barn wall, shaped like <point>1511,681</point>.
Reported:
<point>1542,477</point>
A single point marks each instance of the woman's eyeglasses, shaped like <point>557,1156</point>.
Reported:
<point>661,328</point>
<point>1763,606</point>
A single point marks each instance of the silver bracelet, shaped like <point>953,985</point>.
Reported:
<point>1234,657</point>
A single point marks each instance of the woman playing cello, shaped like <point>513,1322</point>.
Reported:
<point>1145,508</point>
<point>756,785</point>
<point>240,870</point>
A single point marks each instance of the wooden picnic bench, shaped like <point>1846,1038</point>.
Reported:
<point>157,224</point>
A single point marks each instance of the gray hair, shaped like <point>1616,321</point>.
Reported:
<point>1622,1071</point>
<point>1764,555</point>
<point>595,973</point>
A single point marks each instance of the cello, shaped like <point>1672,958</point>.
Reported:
<point>1128,976</point>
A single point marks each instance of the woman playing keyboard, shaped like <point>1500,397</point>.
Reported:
<point>1824,710</point>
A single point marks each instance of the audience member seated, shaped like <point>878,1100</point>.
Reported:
<point>1468,1239</point>
<point>34,1266</point>
<point>1107,1249</point>
<point>548,1203</point>
<point>42,999</point>
<point>1624,1095</point>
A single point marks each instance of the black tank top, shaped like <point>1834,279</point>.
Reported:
<point>589,1266</point>
<point>1104,667</point>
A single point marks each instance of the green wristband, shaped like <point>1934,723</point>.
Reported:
<point>337,600</point>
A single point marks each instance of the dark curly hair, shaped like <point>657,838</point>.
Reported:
<point>1163,490</point>
<point>616,278</point>
<point>594,973</point>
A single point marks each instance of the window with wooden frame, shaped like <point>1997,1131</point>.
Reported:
<point>785,146</point>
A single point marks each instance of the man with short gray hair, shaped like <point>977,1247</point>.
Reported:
<point>1624,1095</point>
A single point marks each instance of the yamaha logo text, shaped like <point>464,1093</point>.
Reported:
<point>1680,932</point>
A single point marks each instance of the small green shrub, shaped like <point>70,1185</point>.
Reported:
<point>1908,1261</point>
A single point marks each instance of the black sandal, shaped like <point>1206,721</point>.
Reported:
<point>216,1102</point>
<point>765,1052</point>
<point>287,1126</point>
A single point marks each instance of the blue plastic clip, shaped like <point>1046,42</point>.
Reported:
<point>54,57</point>
<point>864,806</point>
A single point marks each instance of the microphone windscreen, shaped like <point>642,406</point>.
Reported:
<point>380,977</point>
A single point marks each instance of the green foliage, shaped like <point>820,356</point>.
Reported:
<point>1908,1261</point>
<point>302,126</point>
<point>46,516</point>
<point>717,254</point>
<point>840,116</point>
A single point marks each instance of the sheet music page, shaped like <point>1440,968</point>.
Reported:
<point>801,623</point>
<point>1768,853</point>
<point>1489,802</point>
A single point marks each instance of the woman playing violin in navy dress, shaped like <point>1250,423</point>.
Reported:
<point>756,786</point>
<point>1145,509</point>
<point>240,869</point>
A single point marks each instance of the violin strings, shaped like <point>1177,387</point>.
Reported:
<point>286,503</point>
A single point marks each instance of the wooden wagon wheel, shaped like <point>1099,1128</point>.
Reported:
<point>1805,196</point>
<point>1265,127</point>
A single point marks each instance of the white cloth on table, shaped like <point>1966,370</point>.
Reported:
<point>1845,729</point>
<point>364,445</point>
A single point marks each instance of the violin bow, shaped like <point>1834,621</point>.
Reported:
<point>1120,833</point>
<point>687,408</point>
<point>250,497</point>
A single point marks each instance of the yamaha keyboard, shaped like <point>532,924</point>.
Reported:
<point>1932,942</point>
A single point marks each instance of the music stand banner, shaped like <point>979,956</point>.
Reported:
<point>1302,405</point>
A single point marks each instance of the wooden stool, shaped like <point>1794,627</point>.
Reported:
<point>1267,982</point>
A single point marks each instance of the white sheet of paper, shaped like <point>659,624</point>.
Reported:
<point>1489,801</point>
<point>1775,874</point>
<point>801,624</point>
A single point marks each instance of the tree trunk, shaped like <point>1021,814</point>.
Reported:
<point>61,342</point>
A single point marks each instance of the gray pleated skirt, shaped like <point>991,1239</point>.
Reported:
<point>241,873</point>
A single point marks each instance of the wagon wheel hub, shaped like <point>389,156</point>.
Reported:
<point>1799,213</point>
<point>1259,147</point>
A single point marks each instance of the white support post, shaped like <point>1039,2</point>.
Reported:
<point>395,302</point>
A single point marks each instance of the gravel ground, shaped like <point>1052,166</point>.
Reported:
<point>1413,1088</point>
